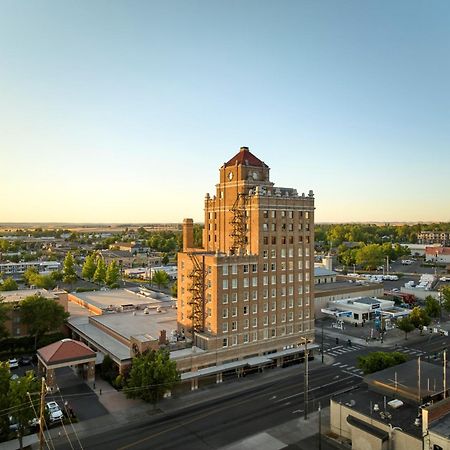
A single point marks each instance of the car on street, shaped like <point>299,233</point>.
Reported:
<point>54,412</point>
<point>25,360</point>
<point>444,279</point>
<point>13,363</point>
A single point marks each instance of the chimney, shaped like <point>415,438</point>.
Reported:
<point>188,234</point>
<point>162,337</point>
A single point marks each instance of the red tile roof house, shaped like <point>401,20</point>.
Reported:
<point>438,254</point>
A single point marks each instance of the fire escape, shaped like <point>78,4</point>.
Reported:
<point>238,224</point>
<point>197,290</point>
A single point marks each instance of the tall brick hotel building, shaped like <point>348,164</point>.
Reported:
<point>248,291</point>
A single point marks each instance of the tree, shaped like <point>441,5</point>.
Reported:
<point>446,298</point>
<point>432,306</point>
<point>100,271</point>
<point>113,274</point>
<point>373,362</point>
<point>152,374</point>
<point>57,275</point>
<point>165,259</point>
<point>89,267</point>
<point>174,290</point>
<point>419,318</point>
<point>370,256</point>
<point>160,278</point>
<point>41,315</point>
<point>4,316</point>
<point>22,410</point>
<point>70,275</point>
<point>30,275</point>
<point>405,325</point>
<point>5,378</point>
<point>9,285</point>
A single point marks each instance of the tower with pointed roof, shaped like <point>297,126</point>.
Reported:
<point>249,289</point>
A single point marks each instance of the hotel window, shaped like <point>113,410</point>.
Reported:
<point>291,278</point>
<point>265,293</point>
<point>283,227</point>
<point>254,268</point>
<point>307,300</point>
<point>283,304</point>
<point>266,320</point>
<point>291,265</point>
<point>291,252</point>
<point>233,325</point>
<point>245,282</point>
<point>273,293</point>
<point>273,332</point>
<point>245,338</point>
<point>273,279</point>
<point>283,213</point>
<point>245,310</point>
<point>307,315</point>
<point>234,340</point>
<point>266,241</point>
<point>283,253</point>
<point>274,240</point>
<point>273,226</point>
<point>234,297</point>
<point>291,290</point>
<point>246,296</point>
<point>307,263</point>
<point>300,314</point>
<point>265,267</point>
<point>274,318</point>
<point>225,299</point>
<point>306,215</point>
<point>291,303</point>
<point>300,265</point>
<point>306,326</point>
<point>234,283</point>
<point>283,279</point>
<point>283,239</point>
<point>265,227</point>
<point>225,342</point>
<point>283,265</point>
<point>300,301</point>
<point>291,240</point>
<point>254,281</point>
<point>254,309</point>
<point>265,280</point>
<point>300,290</point>
<point>283,317</point>
<point>265,252</point>
<point>291,316</point>
<point>234,311</point>
<point>273,253</point>
<point>291,214</point>
<point>265,307</point>
<point>274,306</point>
<point>254,322</point>
<point>290,329</point>
<point>273,266</point>
<point>245,268</point>
<point>307,276</point>
<point>246,324</point>
<point>225,327</point>
<point>273,214</point>
<point>234,269</point>
<point>266,214</point>
<point>254,295</point>
<point>300,251</point>
<point>224,284</point>
<point>266,334</point>
<point>290,227</point>
<point>225,313</point>
<point>255,336</point>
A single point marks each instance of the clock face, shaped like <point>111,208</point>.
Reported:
<point>255,175</point>
<point>230,176</point>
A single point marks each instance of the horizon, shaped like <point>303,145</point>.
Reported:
<point>131,109</point>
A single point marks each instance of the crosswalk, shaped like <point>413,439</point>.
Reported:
<point>341,350</point>
<point>409,351</point>
<point>347,368</point>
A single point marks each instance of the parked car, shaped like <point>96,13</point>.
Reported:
<point>25,360</point>
<point>444,279</point>
<point>13,363</point>
<point>54,412</point>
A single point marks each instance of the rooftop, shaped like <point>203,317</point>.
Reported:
<point>65,350</point>
<point>324,289</point>
<point>18,295</point>
<point>245,157</point>
<point>323,272</point>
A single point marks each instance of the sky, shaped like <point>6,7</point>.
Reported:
<point>123,111</point>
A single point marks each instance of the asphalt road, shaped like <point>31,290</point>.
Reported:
<point>217,423</point>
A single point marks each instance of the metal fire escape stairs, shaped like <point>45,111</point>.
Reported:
<point>238,224</point>
<point>197,290</point>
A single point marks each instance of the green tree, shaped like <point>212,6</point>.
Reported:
<point>100,271</point>
<point>405,325</point>
<point>165,259</point>
<point>4,316</point>
<point>9,285</point>
<point>419,318</point>
<point>22,410</point>
<point>30,275</point>
<point>370,256</point>
<point>152,374</point>
<point>373,362</point>
<point>70,276</point>
<point>5,378</point>
<point>174,290</point>
<point>113,274</point>
<point>446,298</point>
<point>432,306</point>
<point>42,315</point>
<point>57,275</point>
<point>89,267</point>
<point>160,278</point>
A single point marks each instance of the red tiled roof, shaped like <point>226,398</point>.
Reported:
<point>65,350</point>
<point>438,250</point>
<point>245,157</point>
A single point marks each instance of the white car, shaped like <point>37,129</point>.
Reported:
<point>444,279</point>
<point>54,412</point>
<point>13,363</point>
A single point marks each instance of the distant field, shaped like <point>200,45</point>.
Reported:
<point>94,228</point>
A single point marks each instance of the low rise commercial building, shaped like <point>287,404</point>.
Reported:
<point>43,267</point>
<point>438,254</point>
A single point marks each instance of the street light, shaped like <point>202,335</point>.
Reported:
<point>305,381</point>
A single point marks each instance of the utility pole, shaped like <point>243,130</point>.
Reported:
<point>445,374</point>
<point>306,379</point>
<point>322,344</point>
<point>320,427</point>
<point>41,415</point>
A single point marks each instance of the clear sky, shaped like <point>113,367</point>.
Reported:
<point>123,111</point>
